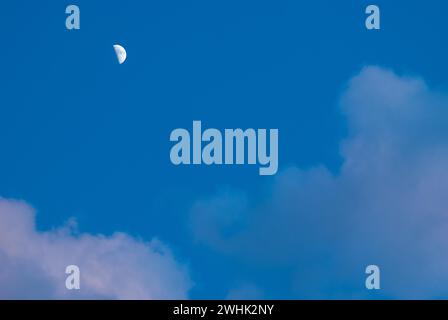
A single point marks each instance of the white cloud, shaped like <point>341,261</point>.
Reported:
<point>32,263</point>
<point>387,205</point>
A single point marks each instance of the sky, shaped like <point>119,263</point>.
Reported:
<point>86,177</point>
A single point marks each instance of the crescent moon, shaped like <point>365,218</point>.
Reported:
<point>121,53</point>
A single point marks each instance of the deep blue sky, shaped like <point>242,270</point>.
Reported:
<point>84,137</point>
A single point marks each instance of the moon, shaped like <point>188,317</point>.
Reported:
<point>121,53</point>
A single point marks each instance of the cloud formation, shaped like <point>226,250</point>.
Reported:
<point>387,204</point>
<point>32,263</point>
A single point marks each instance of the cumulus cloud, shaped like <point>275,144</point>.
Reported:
<point>33,263</point>
<point>387,204</point>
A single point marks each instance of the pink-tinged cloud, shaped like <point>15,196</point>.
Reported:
<point>386,205</point>
<point>32,263</point>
